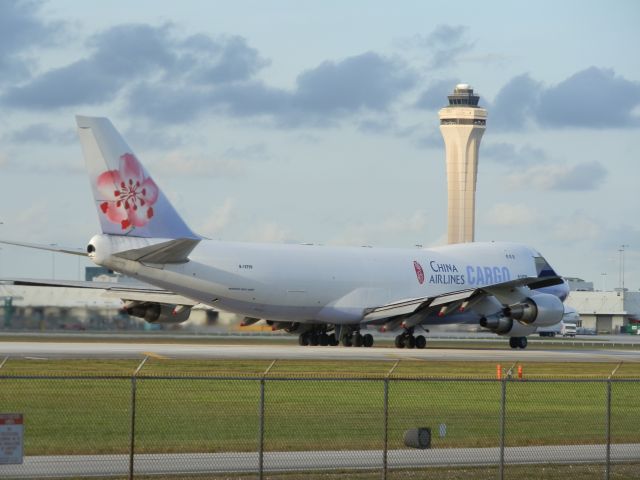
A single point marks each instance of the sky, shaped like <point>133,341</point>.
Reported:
<point>317,122</point>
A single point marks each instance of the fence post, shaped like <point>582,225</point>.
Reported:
<point>261,432</point>
<point>503,414</point>
<point>133,426</point>
<point>385,410</point>
<point>607,469</point>
<point>261,421</point>
<point>132,444</point>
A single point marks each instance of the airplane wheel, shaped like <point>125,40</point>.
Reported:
<point>313,339</point>
<point>323,339</point>
<point>514,342</point>
<point>303,341</point>
<point>399,342</point>
<point>332,340</point>
<point>410,341</point>
<point>346,341</point>
<point>367,340</point>
<point>357,339</point>
<point>522,343</point>
<point>421,342</point>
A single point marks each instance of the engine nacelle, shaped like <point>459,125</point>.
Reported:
<point>506,326</point>
<point>540,310</point>
<point>158,313</point>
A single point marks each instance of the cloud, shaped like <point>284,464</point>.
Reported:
<point>270,232</point>
<point>216,222</point>
<point>125,54</point>
<point>510,154</point>
<point>430,139</point>
<point>515,103</point>
<point>403,225</point>
<point>435,96</point>
<point>254,152</point>
<point>447,43</point>
<point>41,133</point>
<point>510,214</point>
<point>233,59</point>
<point>4,160</point>
<point>181,163</point>
<point>579,227</point>
<point>21,30</point>
<point>366,81</point>
<point>321,96</point>
<point>577,177</point>
<point>591,98</point>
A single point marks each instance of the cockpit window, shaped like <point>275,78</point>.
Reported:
<point>543,269</point>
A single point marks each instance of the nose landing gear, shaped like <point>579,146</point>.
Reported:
<point>518,342</point>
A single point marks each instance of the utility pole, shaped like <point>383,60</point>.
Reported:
<point>621,252</point>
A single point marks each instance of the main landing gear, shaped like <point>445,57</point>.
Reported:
<point>356,339</point>
<point>315,338</point>
<point>348,338</point>
<point>518,342</point>
<point>408,340</point>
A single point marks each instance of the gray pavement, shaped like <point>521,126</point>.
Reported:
<point>188,463</point>
<point>54,349</point>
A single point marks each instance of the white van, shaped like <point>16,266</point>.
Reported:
<point>568,329</point>
<point>559,329</point>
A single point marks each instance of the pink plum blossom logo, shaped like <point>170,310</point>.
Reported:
<point>419,272</point>
<point>129,195</point>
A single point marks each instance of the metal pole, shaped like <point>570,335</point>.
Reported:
<point>503,410</point>
<point>261,432</point>
<point>133,426</point>
<point>261,427</point>
<point>607,470</point>
<point>386,428</point>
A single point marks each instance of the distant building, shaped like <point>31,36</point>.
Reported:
<point>462,125</point>
<point>91,273</point>
<point>579,285</point>
<point>605,312</point>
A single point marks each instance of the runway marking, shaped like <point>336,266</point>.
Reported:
<point>157,356</point>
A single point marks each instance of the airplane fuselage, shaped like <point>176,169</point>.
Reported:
<point>320,284</point>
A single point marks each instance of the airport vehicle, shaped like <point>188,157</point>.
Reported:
<point>325,295</point>
<point>561,329</point>
<point>566,327</point>
<point>568,330</point>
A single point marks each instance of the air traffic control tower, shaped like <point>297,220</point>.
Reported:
<point>462,124</point>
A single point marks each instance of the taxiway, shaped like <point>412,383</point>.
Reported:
<point>46,349</point>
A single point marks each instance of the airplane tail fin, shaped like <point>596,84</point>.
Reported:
<point>128,201</point>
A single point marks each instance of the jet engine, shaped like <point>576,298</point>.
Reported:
<point>158,312</point>
<point>521,319</point>
<point>540,310</point>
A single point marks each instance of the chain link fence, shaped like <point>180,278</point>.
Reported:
<point>279,427</point>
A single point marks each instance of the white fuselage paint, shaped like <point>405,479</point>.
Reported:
<point>306,283</point>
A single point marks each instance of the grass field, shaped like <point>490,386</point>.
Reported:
<point>338,405</point>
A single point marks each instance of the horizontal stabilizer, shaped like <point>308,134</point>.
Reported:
<point>49,248</point>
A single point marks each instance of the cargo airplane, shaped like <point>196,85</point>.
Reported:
<point>325,295</point>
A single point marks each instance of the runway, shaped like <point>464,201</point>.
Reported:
<point>48,349</point>
<point>242,462</point>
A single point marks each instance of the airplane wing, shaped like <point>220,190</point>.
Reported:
<point>461,301</point>
<point>127,293</point>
